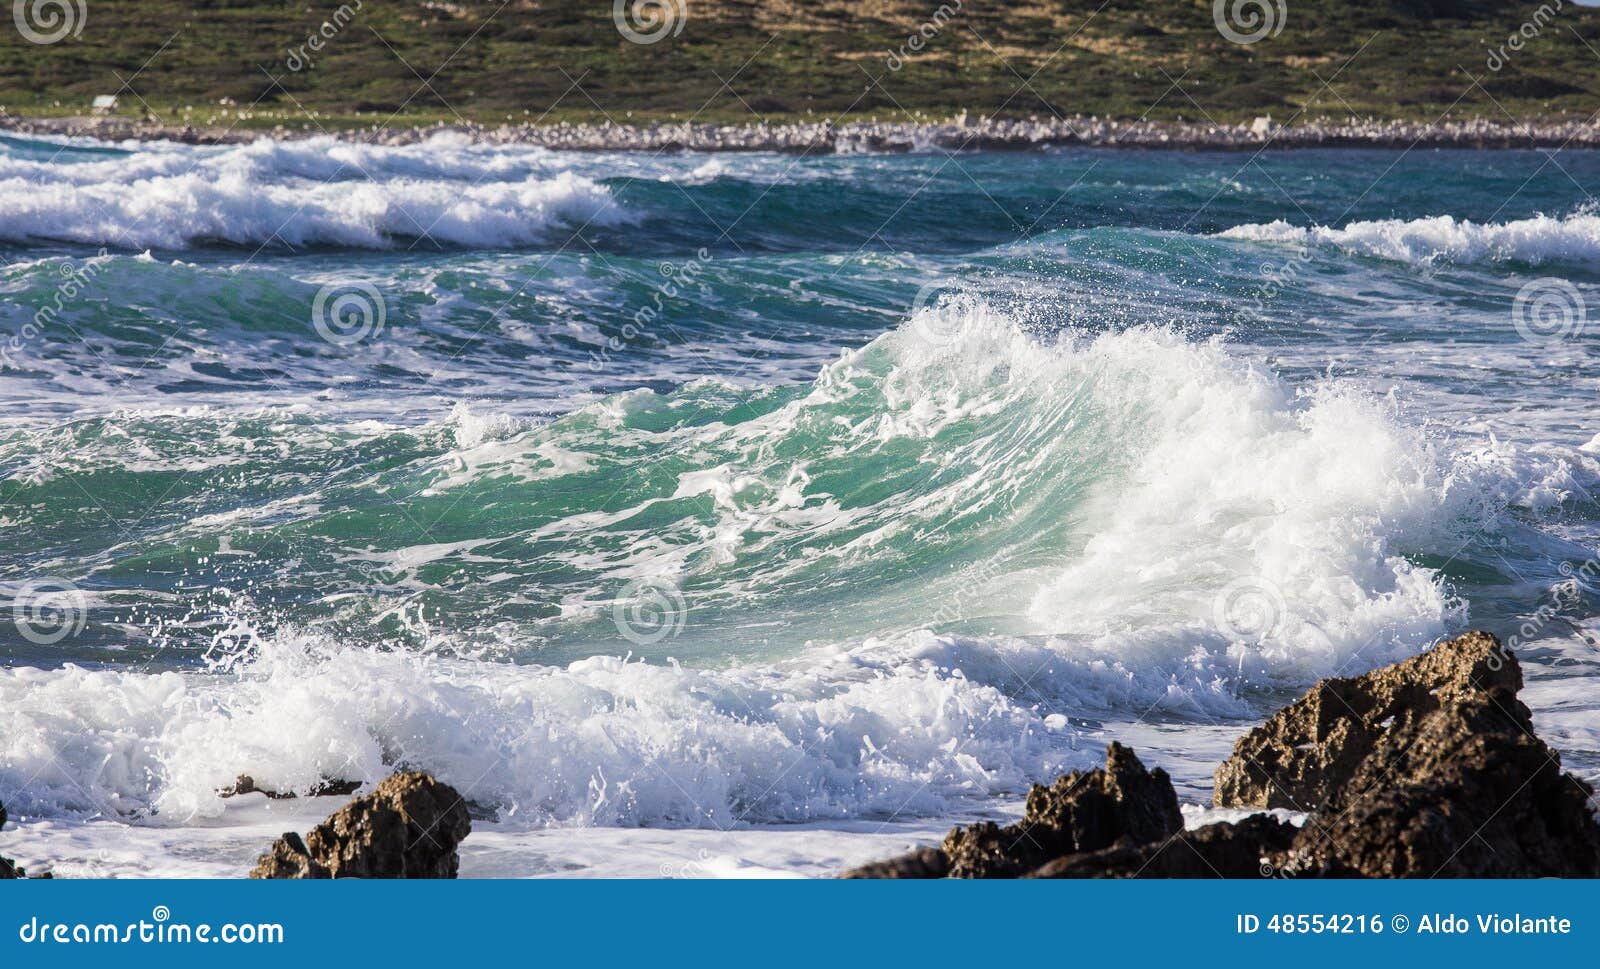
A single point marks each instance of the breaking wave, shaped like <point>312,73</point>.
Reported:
<point>983,541</point>
<point>1533,241</point>
<point>319,192</point>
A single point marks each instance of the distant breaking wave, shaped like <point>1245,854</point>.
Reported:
<point>314,193</point>
<point>1572,239</point>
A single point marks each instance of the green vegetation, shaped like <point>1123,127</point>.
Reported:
<point>228,61</point>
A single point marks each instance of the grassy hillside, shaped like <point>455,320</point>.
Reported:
<point>488,60</point>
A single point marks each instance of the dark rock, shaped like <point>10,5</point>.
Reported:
<point>289,858</point>
<point>247,785</point>
<point>1243,850</point>
<point>408,827</point>
<point>1423,768</point>
<point>921,863</point>
<point>8,868</point>
<point>1464,791</point>
<point>1426,767</point>
<point>1081,811</point>
<point>1313,747</point>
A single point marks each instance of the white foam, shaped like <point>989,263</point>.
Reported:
<point>318,192</point>
<point>1201,534</point>
<point>1571,239</point>
<point>602,741</point>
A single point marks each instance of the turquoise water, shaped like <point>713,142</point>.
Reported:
<point>716,490</point>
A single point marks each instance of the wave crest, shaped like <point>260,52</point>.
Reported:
<point>983,535</point>
<point>316,193</point>
<point>1571,239</point>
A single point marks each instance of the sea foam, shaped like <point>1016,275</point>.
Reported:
<point>1541,239</point>
<point>1207,538</point>
<point>319,192</point>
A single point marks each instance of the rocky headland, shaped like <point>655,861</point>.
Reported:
<point>1426,768</point>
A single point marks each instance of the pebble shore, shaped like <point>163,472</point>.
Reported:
<point>954,135</point>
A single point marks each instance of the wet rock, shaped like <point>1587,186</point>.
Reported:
<point>8,868</point>
<point>921,863</point>
<point>1081,811</point>
<point>409,827</point>
<point>245,784</point>
<point>1313,747</point>
<point>1248,849</point>
<point>1467,790</point>
<point>289,858</point>
<point>1426,767</point>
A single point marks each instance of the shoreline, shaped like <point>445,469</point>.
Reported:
<point>957,134</point>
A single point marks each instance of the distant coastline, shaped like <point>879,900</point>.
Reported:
<point>955,134</point>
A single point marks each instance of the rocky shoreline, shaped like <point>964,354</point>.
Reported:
<point>957,134</point>
<point>1426,768</point>
<point>1429,767</point>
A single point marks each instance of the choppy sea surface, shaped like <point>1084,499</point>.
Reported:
<point>753,513</point>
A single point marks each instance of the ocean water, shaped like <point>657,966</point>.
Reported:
<point>703,514</point>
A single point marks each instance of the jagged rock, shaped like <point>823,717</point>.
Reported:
<point>1242,850</point>
<point>8,868</point>
<point>289,858</point>
<point>1312,748</point>
<point>920,863</point>
<point>1081,811</point>
<point>408,827</point>
<point>245,784</point>
<point>1467,790</point>
<point>1426,767</point>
